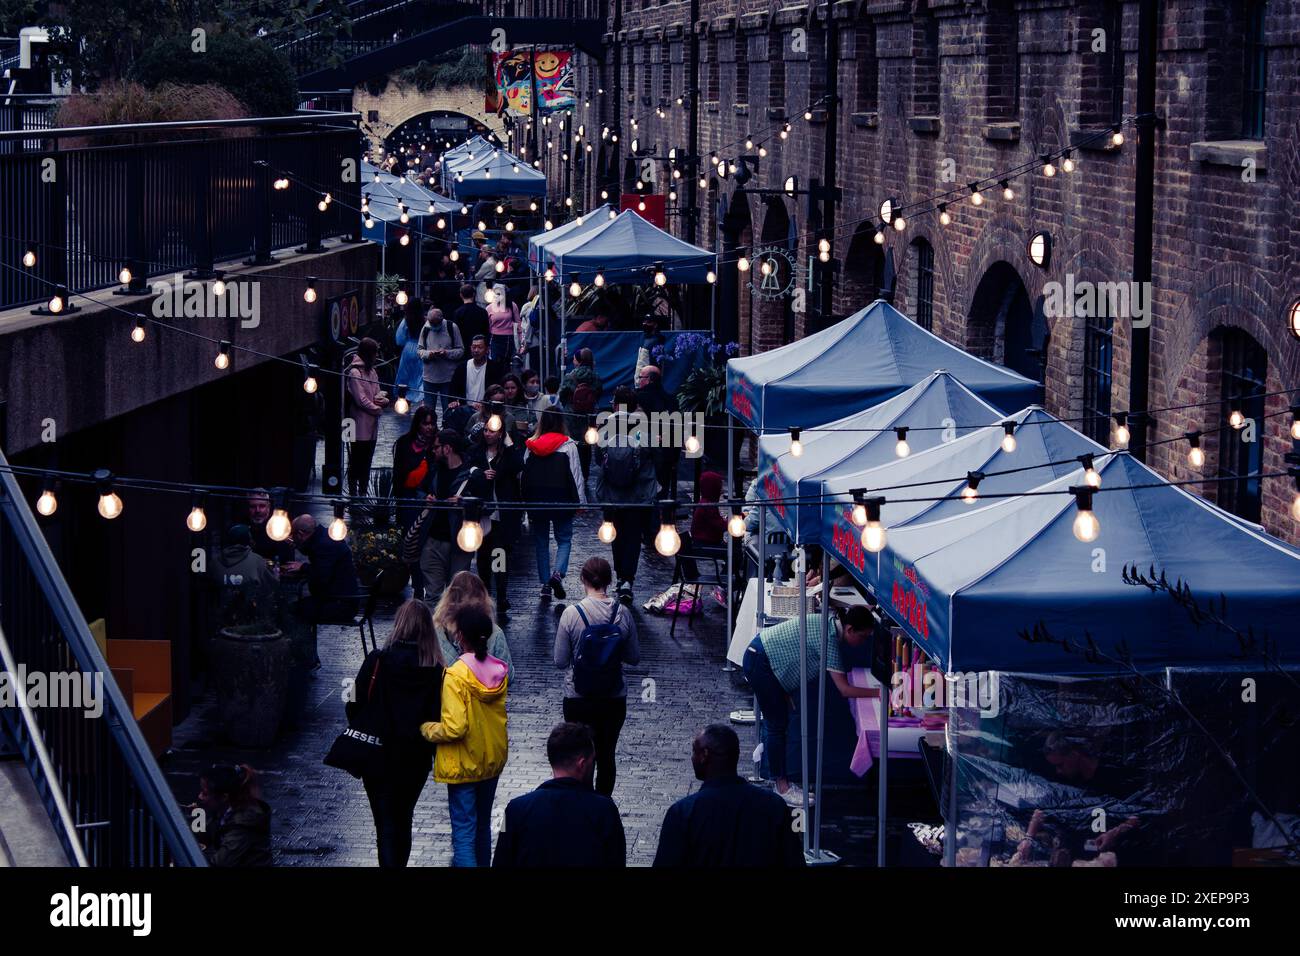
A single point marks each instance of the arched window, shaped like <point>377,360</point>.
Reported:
<point>1241,388</point>
<point>923,287</point>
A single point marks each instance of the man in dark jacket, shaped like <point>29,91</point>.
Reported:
<point>331,574</point>
<point>727,822</point>
<point>441,558</point>
<point>652,399</point>
<point>623,476</point>
<point>471,318</point>
<point>564,822</point>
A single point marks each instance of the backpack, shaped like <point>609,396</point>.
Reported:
<point>622,466</point>
<point>598,656</point>
<point>584,399</point>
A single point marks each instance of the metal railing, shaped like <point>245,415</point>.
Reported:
<point>105,795</point>
<point>91,200</point>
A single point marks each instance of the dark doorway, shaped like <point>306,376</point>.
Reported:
<point>1005,326</point>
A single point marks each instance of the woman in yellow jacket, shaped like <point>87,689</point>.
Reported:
<point>471,737</point>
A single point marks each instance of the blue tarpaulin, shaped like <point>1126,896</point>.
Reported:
<point>538,256</point>
<point>615,355</point>
<point>863,441</point>
<point>386,192</point>
<point>497,173</point>
<point>860,361</point>
<point>966,587</point>
<point>626,250</point>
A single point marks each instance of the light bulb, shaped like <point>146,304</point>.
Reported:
<point>403,218</point>
<point>736,526</point>
<point>742,264</point>
<point>405,240</point>
<point>322,205</point>
<point>1196,457</point>
<point>124,276</point>
<point>1067,164</point>
<point>668,542</point>
<point>278,525</point>
<point>969,495</point>
<point>370,222</point>
<point>1049,170</point>
<point>900,223</point>
<point>309,385</point>
<point>859,514</point>
<point>1086,526</point>
<point>661,279</point>
<point>222,361</point>
<point>1008,443</point>
<point>548,225</point>
<point>454,255</point>
<point>591,436</point>
<point>47,504</point>
<point>575,288</point>
<point>219,288</point>
<point>1117,138</point>
<point>1092,477</point>
<point>338,529</point>
<point>1295,507</point>
<point>692,445</point>
<point>1295,430</point>
<point>977,198</point>
<point>1122,436</point>
<point>796,448</point>
<point>765,267</point>
<point>309,294</point>
<point>710,277</point>
<point>196,520</point>
<point>874,537</point>
<point>470,536</point>
<point>607,533</point>
<point>501,265</point>
<point>944,218</point>
<point>137,334</point>
<point>1236,419</point>
<point>56,304</point>
<point>442,223</point>
<point>110,505</point>
<point>599,281</point>
<point>29,258</point>
<point>494,422</point>
<point>901,448</point>
<point>401,298</point>
<point>1008,193</point>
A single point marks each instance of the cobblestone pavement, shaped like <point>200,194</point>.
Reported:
<point>322,817</point>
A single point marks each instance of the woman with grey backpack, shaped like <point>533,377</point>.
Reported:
<point>596,637</point>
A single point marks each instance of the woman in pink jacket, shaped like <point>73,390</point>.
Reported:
<point>503,323</point>
<point>365,404</point>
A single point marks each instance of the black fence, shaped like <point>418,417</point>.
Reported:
<point>107,799</point>
<point>170,197</point>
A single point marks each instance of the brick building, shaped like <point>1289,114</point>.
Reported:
<point>970,91</point>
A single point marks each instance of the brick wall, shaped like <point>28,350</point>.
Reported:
<point>975,89</point>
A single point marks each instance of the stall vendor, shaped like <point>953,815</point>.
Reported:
<point>772,669</point>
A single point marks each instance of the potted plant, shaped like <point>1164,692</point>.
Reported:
<point>704,390</point>
<point>250,662</point>
<point>376,552</point>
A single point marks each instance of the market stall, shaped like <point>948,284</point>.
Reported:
<point>493,173</point>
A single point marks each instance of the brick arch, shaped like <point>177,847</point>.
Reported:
<point>944,325</point>
<point>400,102</point>
<point>1093,258</point>
<point>1000,241</point>
<point>1231,295</point>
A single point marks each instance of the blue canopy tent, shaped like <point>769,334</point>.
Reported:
<point>860,361</point>
<point>474,146</point>
<point>627,249</point>
<point>965,587</point>
<point>385,195</point>
<point>615,355</point>
<point>581,225</point>
<point>866,440</point>
<point>497,173</point>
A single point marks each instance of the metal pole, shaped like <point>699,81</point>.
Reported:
<point>882,795</point>
<point>761,614</point>
<point>693,124</point>
<point>731,545</point>
<point>950,818</point>
<point>803,690</point>
<point>821,698</point>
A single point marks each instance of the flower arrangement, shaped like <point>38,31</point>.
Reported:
<point>705,387</point>
<point>377,550</point>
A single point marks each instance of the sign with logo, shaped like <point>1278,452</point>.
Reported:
<point>343,316</point>
<point>773,271</point>
<point>512,75</point>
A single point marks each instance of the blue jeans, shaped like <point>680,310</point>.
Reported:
<point>542,523</point>
<point>471,822</point>
<point>432,391</point>
<point>502,348</point>
<point>773,704</point>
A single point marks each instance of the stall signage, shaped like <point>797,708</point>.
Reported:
<point>741,403</point>
<point>908,599</point>
<point>846,541</point>
<point>773,490</point>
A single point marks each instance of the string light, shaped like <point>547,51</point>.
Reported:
<point>944,218</point>
<point>29,257</point>
<point>124,276</point>
<point>1086,525</point>
<point>58,301</point>
<point>1048,169</point>
<point>796,446</point>
<point>900,223</point>
<point>976,197</point>
<point>591,436</point>
<point>338,529</point>
<point>47,503</point>
<point>222,361</point>
<point>197,519</point>
<point>401,404</point>
<point>692,445</point>
<point>404,240</point>
<point>1007,192</point>
<point>599,281</point>
<point>1195,454</point>
<point>470,535</point>
<point>309,382</point>
<point>873,532</point>
<point>138,330</point>
<point>278,526</point>
<point>879,237</point>
<point>1236,419</point>
<point>736,523</point>
<point>309,294</point>
<point>668,542</point>
<point>401,298</point>
<point>901,448</point>
<point>710,277</point>
<point>969,494</point>
<point>494,419</point>
<point>1117,137</point>
<point>1295,502</point>
<point>1295,422</point>
<point>661,277</point>
<point>1122,434</point>
<point>1091,477</point>
<point>575,287</point>
<point>1009,438</point>
<point>1067,162</point>
<point>607,532</point>
<point>219,288</point>
<point>110,505</point>
<point>742,264</point>
<point>442,223</point>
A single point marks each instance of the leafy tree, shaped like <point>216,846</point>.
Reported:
<point>255,73</point>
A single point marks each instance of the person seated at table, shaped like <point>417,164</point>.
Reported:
<point>259,511</point>
<point>772,668</point>
<point>597,323</point>
<point>330,572</point>
<point>728,821</point>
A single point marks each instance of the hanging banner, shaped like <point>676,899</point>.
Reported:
<point>513,74</point>
<point>652,207</point>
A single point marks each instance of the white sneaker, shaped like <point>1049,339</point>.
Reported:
<point>794,796</point>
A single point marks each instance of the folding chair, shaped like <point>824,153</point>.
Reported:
<point>697,555</point>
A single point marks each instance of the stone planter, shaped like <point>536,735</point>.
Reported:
<point>251,675</point>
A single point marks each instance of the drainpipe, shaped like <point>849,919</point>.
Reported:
<point>1143,219</point>
<point>692,209</point>
<point>615,187</point>
<point>829,170</point>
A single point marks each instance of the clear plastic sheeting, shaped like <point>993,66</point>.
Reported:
<point>1128,771</point>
